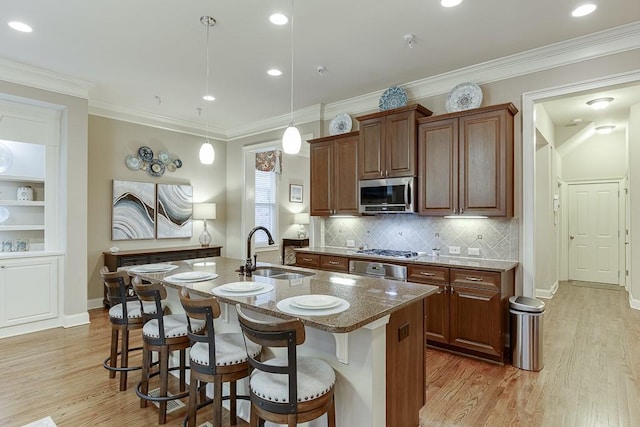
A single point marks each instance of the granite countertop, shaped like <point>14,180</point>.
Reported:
<point>442,261</point>
<point>369,298</point>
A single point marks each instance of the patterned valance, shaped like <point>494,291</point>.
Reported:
<point>269,161</point>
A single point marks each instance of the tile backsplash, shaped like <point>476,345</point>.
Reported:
<point>496,238</point>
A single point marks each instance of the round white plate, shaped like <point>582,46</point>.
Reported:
<point>315,302</point>
<point>464,96</point>
<point>6,158</point>
<point>191,276</point>
<point>242,286</point>
<point>153,268</point>
<point>133,162</point>
<point>340,124</point>
<point>4,214</point>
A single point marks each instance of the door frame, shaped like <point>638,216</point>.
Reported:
<point>529,99</point>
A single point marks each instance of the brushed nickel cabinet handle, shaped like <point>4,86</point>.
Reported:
<point>426,273</point>
<point>334,262</point>
<point>307,259</point>
<point>474,279</point>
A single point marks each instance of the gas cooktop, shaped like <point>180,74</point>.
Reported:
<point>388,252</point>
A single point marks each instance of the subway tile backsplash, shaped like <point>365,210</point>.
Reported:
<point>496,238</point>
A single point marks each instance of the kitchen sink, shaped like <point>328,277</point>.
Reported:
<point>280,273</point>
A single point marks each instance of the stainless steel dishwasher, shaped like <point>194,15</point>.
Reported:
<point>378,269</point>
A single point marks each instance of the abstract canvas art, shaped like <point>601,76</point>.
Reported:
<point>175,210</point>
<point>134,210</point>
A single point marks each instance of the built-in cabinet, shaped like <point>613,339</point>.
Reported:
<point>334,175</point>
<point>469,313</point>
<point>465,162</point>
<point>387,145</point>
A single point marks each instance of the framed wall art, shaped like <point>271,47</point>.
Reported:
<point>175,211</point>
<point>133,210</point>
<point>295,193</point>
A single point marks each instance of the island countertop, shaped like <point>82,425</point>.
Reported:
<point>370,298</point>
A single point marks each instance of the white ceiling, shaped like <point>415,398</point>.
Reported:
<point>135,51</point>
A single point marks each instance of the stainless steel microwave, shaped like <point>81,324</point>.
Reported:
<point>391,195</point>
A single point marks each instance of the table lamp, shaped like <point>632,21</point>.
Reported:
<point>204,211</point>
<point>301,219</point>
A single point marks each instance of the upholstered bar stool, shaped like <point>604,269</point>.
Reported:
<point>124,316</point>
<point>287,389</point>
<point>164,334</point>
<point>214,358</point>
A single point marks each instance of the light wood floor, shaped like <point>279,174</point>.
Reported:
<point>591,375</point>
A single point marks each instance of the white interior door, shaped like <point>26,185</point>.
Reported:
<point>593,232</point>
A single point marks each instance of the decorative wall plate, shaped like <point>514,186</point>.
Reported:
<point>133,162</point>
<point>156,168</point>
<point>4,214</point>
<point>394,97</point>
<point>145,153</point>
<point>164,157</point>
<point>178,163</point>
<point>340,124</point>
<point>464,96</point>
<point>6,158</point>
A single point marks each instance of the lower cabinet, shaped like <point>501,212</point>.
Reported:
<point>470,312</point>
<point>323,262</point>
<point>28,290</point>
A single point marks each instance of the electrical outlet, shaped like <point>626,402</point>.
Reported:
<point>351,243</point>
<point>473,251</point>
<point>403,331</point>
<point>454,250</point>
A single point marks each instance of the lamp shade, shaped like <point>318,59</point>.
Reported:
<point>204,211</point>
<point>207,154</point>
<point>291,140</point>
<point>301,218</point>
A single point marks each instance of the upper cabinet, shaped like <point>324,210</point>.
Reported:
<point>334,175</point>
<point>465,162</point>
<point>387,146</point>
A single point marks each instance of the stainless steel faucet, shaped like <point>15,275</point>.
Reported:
<point>250,266</point>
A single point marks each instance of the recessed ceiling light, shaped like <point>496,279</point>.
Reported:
<point>274,72</point>
<point>450,3</point>
<point>600,103</point>
<point>583,10</point>
<point>603,130</point>
<point>278,19</point>
<point>20,26</point>
<point>577,120</point>
<point>209,98</point>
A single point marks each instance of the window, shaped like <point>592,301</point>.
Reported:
<point>265,205</point>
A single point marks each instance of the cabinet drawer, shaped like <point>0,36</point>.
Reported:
<point>475,278</point>
<point>133,260</point>
<point>428,274</point>
<point>308,260</point>
<point>335,263</point>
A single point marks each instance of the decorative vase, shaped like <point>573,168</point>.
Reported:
<point>25,193</point>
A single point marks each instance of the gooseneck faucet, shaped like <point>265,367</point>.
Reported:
<point>250,265</point>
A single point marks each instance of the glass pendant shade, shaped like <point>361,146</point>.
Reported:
<point>207,154</point>
<point>291,140</point>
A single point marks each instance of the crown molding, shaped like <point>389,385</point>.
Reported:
<point>28,75</point>
<point>303,115</point>
<point>144,118</point>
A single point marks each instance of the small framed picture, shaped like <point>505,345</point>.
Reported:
<point>295,193</point>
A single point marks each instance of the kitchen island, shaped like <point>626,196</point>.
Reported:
<point>376,346</point>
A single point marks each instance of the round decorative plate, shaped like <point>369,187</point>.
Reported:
<point>6,158</point>
<point>164,157</point>
<point>145,153</point>
<point>156,168</point>
<point>4,214</point>
<point>133,162</point>
<point>178,163</point>
<point>464,96</point>
<point>340,124</point>
<point>171,167</point>
<point>394,97</point>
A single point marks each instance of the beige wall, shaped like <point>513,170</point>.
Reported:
<point>110,141</point>
<point>634,198</point>
<point>599,157</point>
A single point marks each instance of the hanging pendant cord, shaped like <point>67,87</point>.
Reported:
<point>291,63</point>
<point>206,114</point>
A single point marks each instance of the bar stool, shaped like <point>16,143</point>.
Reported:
<point>124,315</point>
<point>214,358</point>
<point>163,334</point>
<point>287,389</point>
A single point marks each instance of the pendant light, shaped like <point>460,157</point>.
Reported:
<point>207,154</point>
<point>291,140</point>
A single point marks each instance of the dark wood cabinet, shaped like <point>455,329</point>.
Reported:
<point>307,260</point>
<point>470,312</point>
<point>465,162</point>
<point>334,263</point>
<point>387,145</point>
<point>288,254</point>
<point>334,175</point>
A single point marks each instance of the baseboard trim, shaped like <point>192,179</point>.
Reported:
<point>634,302</point>
<point>75,320</point>
<point>547,293</point>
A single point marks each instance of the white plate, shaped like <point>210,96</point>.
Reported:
<point>315,302</point>
<point>192,276</point>
<point>464,96</point>
<point>242,287</point>
<point>340,124</point>
<point>4,214</point>
<point>6,158</point>
<point>153,268</point>
<point>134,163</point>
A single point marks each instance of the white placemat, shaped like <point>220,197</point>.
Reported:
<point>285,306</point>
<point>182,278</point>
<point>220,291</point>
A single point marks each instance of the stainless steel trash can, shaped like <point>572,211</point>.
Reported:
<point>526,332</point>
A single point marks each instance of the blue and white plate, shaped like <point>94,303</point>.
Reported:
<point>394,97</point>
<point>145,153</point>
<point>464,96</point>
<point>6,158</point>
<point>4,214</point>
<point>340,124</point>
<point>156,168</point>
<point>133,162</point>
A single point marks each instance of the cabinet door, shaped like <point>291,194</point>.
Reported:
<point>28,290</point>
<point>486,164</point>
<point>437,316</point>
<point>371,149</point>
<point>400,144</point>
<point>438,167</point>
<point>334,263</point>
<point>345,184</point>
<point>475,316</point>
<point>321,167</point>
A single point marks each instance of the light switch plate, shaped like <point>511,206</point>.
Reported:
<point>454,250</point>
<point>351,243</point>
<point>473,251</point>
